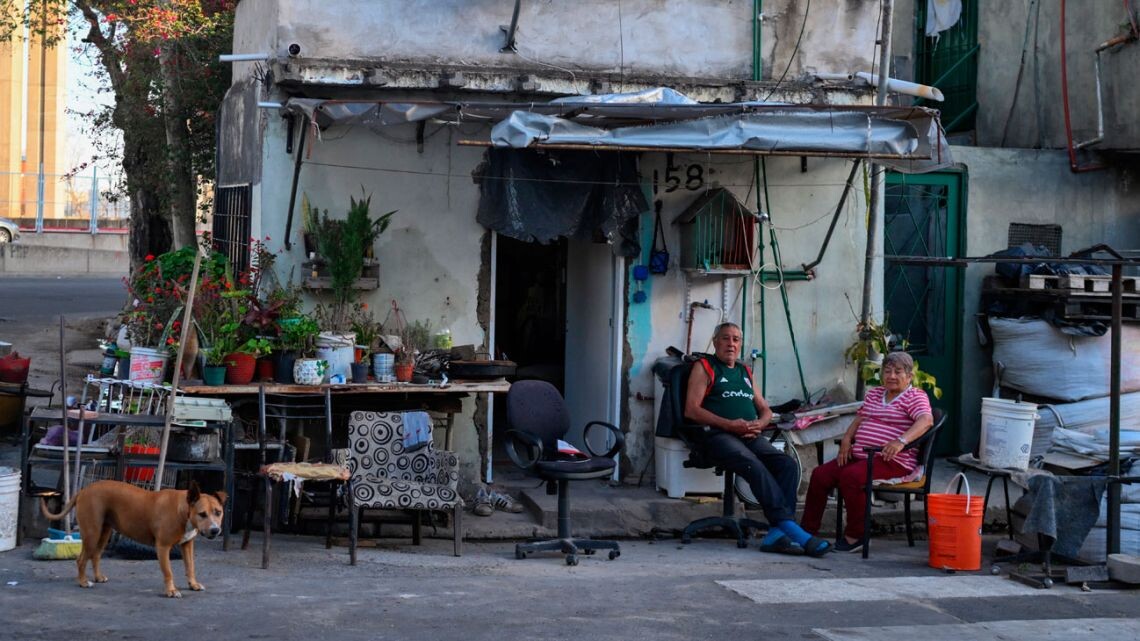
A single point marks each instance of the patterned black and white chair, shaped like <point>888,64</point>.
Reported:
<point>385,476</point>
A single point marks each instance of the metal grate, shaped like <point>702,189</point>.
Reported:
<point>1048,236</point>
<point>231,233</point>
<point>950,62</point>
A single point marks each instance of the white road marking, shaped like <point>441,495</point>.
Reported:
<point>1035,630</point>
<point>910,588</point>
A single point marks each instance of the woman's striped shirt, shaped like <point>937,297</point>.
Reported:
<point>884,422</point>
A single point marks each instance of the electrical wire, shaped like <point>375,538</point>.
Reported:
<point>795,50</point>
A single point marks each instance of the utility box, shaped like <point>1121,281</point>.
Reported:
<point>669,455</point>
<point>718,234</point>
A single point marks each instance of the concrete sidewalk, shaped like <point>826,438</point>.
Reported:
<point>602,509</point>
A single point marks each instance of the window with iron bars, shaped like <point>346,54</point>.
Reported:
<point>231,231</point>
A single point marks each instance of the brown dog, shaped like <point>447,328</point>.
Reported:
<point>163,519</point>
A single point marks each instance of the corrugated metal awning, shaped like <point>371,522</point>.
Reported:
<point>908,139</point>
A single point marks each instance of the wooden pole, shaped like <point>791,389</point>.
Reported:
<point>187,321</point>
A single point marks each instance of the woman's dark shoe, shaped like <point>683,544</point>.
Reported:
<point>844,546</point>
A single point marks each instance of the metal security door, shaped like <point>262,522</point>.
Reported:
<point>924,215</point>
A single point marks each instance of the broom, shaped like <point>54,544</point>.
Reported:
<point>61,545</point>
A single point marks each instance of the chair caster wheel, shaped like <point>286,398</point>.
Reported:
<point>995,570</point>
<point>614,554</point>
<point>571,559</point>
<point>1047,582</point>
<point>519,554</point>
<point>741,543</point>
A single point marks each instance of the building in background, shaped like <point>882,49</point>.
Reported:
<point>33,92</point>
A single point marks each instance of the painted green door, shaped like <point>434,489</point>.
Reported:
<point>949,61</point>
<point>924,215</point>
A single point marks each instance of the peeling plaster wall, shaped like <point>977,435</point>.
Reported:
<point>801,207</point>
<point>1032,186</point>
<point>671,40</point>
<point>430,255</point>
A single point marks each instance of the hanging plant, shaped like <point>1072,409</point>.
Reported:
<point>873,341</point>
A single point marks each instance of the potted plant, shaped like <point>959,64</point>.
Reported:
<point>214,370</point>
<point>413,338</point>
<point>298,339</point>
<point>241,363</point>
<point>364,227</point>
<point>875,340</point>
<point>367,333</point>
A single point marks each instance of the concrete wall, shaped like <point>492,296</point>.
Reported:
<point>709,39</point>
<point>1030,186</point>
<point>1037,118</point>
<point>22,258</point>
<point>432,255</point>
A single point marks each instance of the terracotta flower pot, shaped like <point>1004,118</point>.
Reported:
<point>404,372</point>
<point>240,368</point>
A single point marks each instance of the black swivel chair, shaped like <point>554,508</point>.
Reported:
<point>727,521</point>
<point>537,416</point>
<point>918,487</point>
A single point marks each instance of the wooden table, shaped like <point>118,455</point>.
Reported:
<point>446,399</point>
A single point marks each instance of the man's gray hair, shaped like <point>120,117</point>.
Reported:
<point>901,360</point>
<point>723,326</point>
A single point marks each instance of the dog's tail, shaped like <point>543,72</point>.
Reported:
<point>55,517</point>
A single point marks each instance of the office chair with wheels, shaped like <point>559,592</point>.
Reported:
<point>537,416</point>
<point>739,527</point>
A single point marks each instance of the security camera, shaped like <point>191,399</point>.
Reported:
<point>294,50</point>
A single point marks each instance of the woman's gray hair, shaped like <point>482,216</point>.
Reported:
<point>901,360</point>
<point>723,326</point>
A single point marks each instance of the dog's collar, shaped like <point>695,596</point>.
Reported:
<point>190,532</point>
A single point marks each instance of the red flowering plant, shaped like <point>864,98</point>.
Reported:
<point>157,293</point>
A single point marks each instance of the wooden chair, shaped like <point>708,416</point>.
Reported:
<point>284,408</point>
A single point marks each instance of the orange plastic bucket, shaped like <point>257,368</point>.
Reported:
<point>955,529</point>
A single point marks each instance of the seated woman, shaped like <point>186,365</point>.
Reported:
<point>722,395</point>
<point>892,416</point>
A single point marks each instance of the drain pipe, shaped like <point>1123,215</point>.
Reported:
<point>1074,166</point>
<point>1108,44</point>
<point>808,267</point>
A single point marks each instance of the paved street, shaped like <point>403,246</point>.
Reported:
<point>660,590</point>
<point>24,298</point>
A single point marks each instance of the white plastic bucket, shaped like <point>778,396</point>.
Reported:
<point>148,365</point>
<point>1007,433</point>
<point>339,350</point>
<point>9,506</point>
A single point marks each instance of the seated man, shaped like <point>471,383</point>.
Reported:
<point>722,395</point>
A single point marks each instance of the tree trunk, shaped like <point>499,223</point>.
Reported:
<point>183,210</point>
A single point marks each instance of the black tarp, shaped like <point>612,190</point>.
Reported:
<point>540,196</point>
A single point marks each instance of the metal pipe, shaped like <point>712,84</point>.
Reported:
<point>1112,535</point>
<point>927,92</point>
<point>488,474</point>
<point>690,150</point>
<point>510,46</point>
<point>874,220</point>
<point>244,57</point>
<point>807,267</point>
<point>1074,166</point>
<point>1099,111</point>
<point>296,178</point>
<point>41,177</point>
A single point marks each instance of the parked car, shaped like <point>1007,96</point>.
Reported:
<point>9,231</point>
